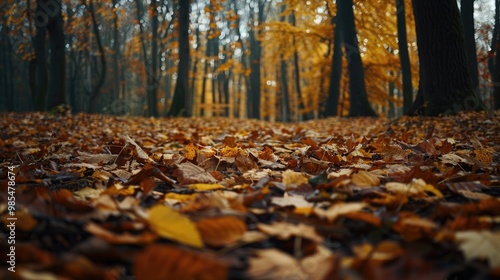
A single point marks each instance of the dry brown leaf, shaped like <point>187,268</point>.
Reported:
<point>365,179</point>
<point>188,173</point>
<point>286,230</point>
<point>292,178</point>
<point>480,244</point>
<point>169,262</point>
<point>339,209</point>
<point>297,201</point>
<point>382,252</point>
<point>221,231</point>
<point>120,238</point>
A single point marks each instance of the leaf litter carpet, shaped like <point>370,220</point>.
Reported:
<point>103,197</point>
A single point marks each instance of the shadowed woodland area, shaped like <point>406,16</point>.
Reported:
<point>249,139</point>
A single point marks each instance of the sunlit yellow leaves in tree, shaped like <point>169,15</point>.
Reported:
<point>170,224</point>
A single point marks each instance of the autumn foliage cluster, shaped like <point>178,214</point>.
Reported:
<point>191,198</point>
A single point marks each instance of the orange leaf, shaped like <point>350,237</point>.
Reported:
<point>221,231</point>
<point>168,262</point>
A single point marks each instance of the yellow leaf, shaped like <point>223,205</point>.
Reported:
<point>206,187</point>
<point>294,178</point>
<point>180,197</point>
<point>170,224</point>
<point>190,152</point>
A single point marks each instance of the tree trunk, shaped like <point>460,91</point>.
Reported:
<point>181,103</point>
<point>467,14</point>
<point>253,100</point>
<point>102,75</point>
<point>332,103</point>
<point>360,105</point>
<point>152,77</point>
<point>494,61</point>
<point>301,114</point>
<point>57,66</point>
<point>116,58</point>
<point>404,57</point>
<point>445,83</point>
<point>42,79</point>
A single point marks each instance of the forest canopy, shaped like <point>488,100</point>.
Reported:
<point>280,60</point>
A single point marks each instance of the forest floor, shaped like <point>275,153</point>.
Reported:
<point>103,197</point>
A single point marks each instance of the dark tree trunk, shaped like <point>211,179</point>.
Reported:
<point>116,58</point>
<point>445,83</point>
<point>102,74</point>
<point>42,79</point>
<point>332,102</point>
<point>253,100</point>
<point>467,13</point>
<point>286,113</point>
<point>404,57</point>
<point>181,103</point>
<point>360,105</point>
<point>152,77</point>
<point>285,101</point>
<point>301,114</point>
<point>195,61</point>
<point>57,68</point>
<point>392,111</point>
<point>494,61</point>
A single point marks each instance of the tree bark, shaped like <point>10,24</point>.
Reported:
<point>467,15</point>
<point>116,57</point>
<point>57,66</point>
<point>102,74</point>
<point>253,100</point>
<point>360,105</point>
<point>42,78</point>
<point>404,56</point>
<point>445,83</point>
<point>494,61</point>
<point>332,103</point>
<point>152,77</point>
<point>181,103</point>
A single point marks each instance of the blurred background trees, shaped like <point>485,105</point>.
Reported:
<point>279,60</point>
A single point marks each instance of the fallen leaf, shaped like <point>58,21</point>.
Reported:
<point>284,230</point>
<point>365,179</point>
<point>170,224</point>
<point>292,178</point>
<point>169,262</point>
<point>339,209</point>
<point>480,244</point>
<point>205,187</point>
<point>221,231</point>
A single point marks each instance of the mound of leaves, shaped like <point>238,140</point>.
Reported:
<point>101,197</point>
